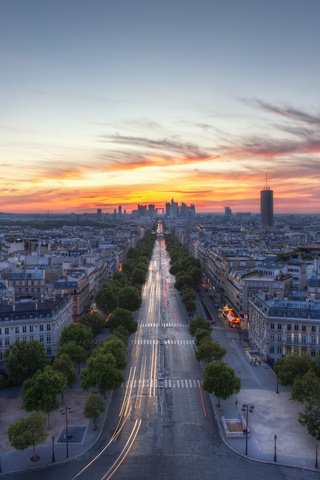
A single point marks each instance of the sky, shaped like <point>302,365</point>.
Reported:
<point>119,102</point>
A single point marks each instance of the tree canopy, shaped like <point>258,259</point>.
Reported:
<point>22,359</point>
<point>78,333</point>
<point>221,380</point>
<point>27,432</point>
<point>63,364</point>
<point>129,298</point>
<point>102,372</point>
<point>199,322</point>
<point>209,350</point>
<point>93,408</point>
<point>288,368</point>
<point>122,317</point>
<point>117,347</point>
<point>95,321</point>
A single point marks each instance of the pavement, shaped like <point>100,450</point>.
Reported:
<point>273,414</point>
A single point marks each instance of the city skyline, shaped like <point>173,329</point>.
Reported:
<point>126,103</point>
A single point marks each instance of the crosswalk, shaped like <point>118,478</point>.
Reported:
<point>152,325</point>
<point>166,383</point>
<point>166,341</point>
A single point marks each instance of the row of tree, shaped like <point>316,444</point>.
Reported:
<point>218,377</point>
<point>303,374</point>
<point>186,269</point>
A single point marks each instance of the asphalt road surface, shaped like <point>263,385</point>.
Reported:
<point>161,424</point>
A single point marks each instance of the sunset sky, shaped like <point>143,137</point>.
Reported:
<point>109,102</point>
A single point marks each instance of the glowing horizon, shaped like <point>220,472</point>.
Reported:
<point>100,108</point>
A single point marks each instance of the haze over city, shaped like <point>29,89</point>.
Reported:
<point>106,103</point>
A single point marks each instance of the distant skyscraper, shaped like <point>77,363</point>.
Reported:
<point>99,212</point>
<point>120,210</point>
<point>266,206</point>
<point>227,212</point>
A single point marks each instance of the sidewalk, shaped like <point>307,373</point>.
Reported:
<point>273,413</point>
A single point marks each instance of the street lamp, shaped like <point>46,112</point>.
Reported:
<point>53,459</point>
<point>277,390</point>
<point>247,408</point>
<point>275,449</point>
<point>316,464</point>
<point>66,435</point>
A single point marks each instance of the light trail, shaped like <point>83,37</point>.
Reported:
<point>126,449</point>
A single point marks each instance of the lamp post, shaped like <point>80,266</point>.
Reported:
<point>53,459</point>
<point>316,464</point>
<point>66,435</point>
<point>275,449</point>
<point>247,408</point>
<point>277,390</point>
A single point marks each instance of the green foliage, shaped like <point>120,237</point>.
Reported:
<point>65,365</point>
<point>102,371</point>
<point>27,432</point>
<point>120,279</point>
<point>122,317</point>
<point>288,368</point>
<point>122,333</point>
<point>40,392</point>
<point>220,380</point>
<point>310,417</point>
<point>201,334</point>
<point>199,322</point>
<point>76,352</point>
<point>78,333</point>
<point>22,359</point>
<point>129,298</point>
<point>107,298</point>
<point>139,275</point>
<point>183,279</point>
<point>209,350</point>
<point>95,321</point>
<point>115,346</point>
<point>93,408</point>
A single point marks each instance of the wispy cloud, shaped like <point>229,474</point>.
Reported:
<point>290,112</point>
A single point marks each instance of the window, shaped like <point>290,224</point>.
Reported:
<point>289,338</point>
<point>296,338</point>
<point>313,339</point>
<point>289,326</point>
<point>271,337</point>
<point>24,329</point>
<point>279,349</point>
<point>279,326</point>
<point>31,328</point>
<point>288,350</point>
<point>41,339</point>
<point>17,329</point>
<point>31,337</point>
<point>272,349</point>
<point>0,331</point>
<point>303,339</point>
<point>24,338</point>
<point>313,353</point>
<point>41,328</point>
<point>272,326</point>
<point>48,351</point>
<point>48,338</point>
<point>296,328</point>
<point>48,327</point>
<point>7,342</point>
<point>304,328</point>
<point>6,331</point>
<point>313,328</point>
<point>279,337</point>
<point>0,342</point>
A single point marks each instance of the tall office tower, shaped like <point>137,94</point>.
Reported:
<point>266,207</point>
<point>120,210</point>
<point>99,212</point>
<point>227,212</point>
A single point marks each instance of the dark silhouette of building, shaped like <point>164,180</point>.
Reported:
<point>266,207</point>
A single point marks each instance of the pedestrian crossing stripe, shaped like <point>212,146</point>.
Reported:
<point>152,325</point>
<point>165,383</point>
<point>153,341</point>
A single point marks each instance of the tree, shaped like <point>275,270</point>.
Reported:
<point>209,350</point>
<point>196,274</point>
<point>65,365</point>
<point>95,321</point>
<point>220,380</point>
<point>40,392</point>
<point>182,279</point>
<point>78,333</point>
<point>116,346</point>
<point>122,333</point>
<point>22,359</point>
<point>139,275</point>
<point>129,298</point>
<point>93,407</point>
<point>76,352</point>
<point>28,432</point>
<point>288,368</point>
<point>201,334</point>
<point>199,322</point>
<point>107,298</point>
<point>120,278</point>
<point>122,317</point>
<point>102,372</point>
<point>310,417</point>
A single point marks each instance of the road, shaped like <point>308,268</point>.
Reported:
<point>161,424</point>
